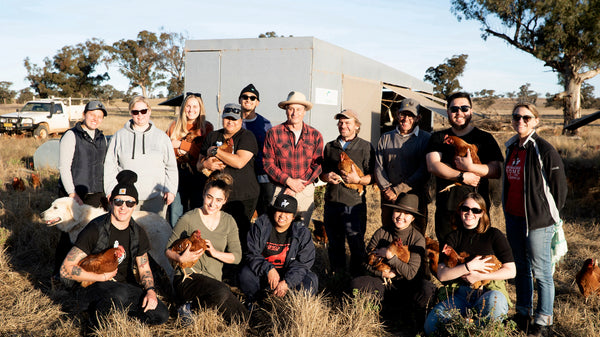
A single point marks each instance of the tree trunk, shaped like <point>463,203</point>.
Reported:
<point>572,101</point>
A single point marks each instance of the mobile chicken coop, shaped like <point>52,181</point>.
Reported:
<point>332,78</point>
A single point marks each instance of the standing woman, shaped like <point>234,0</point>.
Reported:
<point>476,237</point>
<point>220,231</point>
<point>146,150</point>
<point>239,164</point>
<point>187,134</point>
<point>534,191</point>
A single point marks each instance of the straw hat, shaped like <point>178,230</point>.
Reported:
<point>295,97</point>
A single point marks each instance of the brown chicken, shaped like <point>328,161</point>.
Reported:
<point>35,181</point>
<point>345,165</point>
<point>103,262</point>
<point>452,259</point>
<point>397,249</point>
<point>432,249</point>
<point>497,265</point>
<point>18,184</point>
<point>179,246</point>
<point>227,146</point>
<point>588,278</point>
<point>460,150</point>
<point>319,233</point>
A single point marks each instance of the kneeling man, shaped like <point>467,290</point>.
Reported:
<point>280,253</point>
<point>111,230</point>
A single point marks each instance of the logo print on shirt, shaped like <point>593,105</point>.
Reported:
<point>516,161</point>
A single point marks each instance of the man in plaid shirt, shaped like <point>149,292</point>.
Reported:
<point>293,153</point>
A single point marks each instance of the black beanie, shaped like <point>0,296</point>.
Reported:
<point>125,181</point>
<point>250,88</point>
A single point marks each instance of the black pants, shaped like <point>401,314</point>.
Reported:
<point>417,291</point>
<point>100,297</point>
<point>265,197</point>
<point>343,223</point>
<point>242,211</point>
<point>206,291</point>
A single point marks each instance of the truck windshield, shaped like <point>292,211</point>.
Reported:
<point>36,107</point>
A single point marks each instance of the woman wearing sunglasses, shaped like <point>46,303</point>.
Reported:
<point>143,148</point>
<point>534,191</point>
<point>187,134</point>
<point>476,237</point>
<point>203,286</point>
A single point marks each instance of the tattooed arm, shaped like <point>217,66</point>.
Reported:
<point>70,270</point>
<point>150,301</point>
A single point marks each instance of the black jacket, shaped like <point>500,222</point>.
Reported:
<point>545,181</point>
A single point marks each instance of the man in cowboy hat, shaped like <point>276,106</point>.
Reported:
<point>280,253</point>
<point>292,154</point>
<point>400,165</point>
<point>345,210</point>
<point>408,278</point>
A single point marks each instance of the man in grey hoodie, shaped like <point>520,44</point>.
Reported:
<point>143,148</point>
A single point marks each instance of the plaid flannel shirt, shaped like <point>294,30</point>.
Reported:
<point>282,159</point>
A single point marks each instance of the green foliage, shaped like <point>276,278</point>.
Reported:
<point>485,98</point>
<point>6,95</point>
<point>71,72</point>
<point>445,76</point>
<point>270,34</point>
<point>138,60</point>
<point>564,34</point>
<point>475,325</point>
<point>527,95</point>
<point>108,92</point>
<point>172,61</point>
<point>24,95</point>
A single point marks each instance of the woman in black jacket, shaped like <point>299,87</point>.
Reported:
<point>534,191</point>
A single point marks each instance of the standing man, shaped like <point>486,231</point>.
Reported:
<point>448,170</point>
<point>117,228</point>
<point>249,100</point>
<point>345,210</point>
<point>400,164</point>
<point>293,153</point>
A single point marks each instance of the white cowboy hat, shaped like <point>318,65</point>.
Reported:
<point>295,97</point>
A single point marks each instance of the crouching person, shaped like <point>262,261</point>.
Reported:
<point>280,253</point>
<point>116,229</point>
<point>396,255</point>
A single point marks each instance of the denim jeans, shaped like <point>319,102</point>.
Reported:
<point>175,210</point>
<point>532,255</point>
<point>346,222</point>
<point>492,304</point>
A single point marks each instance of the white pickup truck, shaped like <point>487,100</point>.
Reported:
<point>42,117</point>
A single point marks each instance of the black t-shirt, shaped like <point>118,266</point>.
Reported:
<point>488,151</point>
<point>245,186</point>
<point>277,247</point>
<point>492,242</point>
<point>88,238</point>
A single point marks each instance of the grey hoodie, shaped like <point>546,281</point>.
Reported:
<point>149,154</point>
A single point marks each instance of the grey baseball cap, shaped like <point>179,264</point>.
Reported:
<point>232,110</point>
<point>410,105</point>
<point>95,105</point>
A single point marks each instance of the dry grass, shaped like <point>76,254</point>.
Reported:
<point>29,306</point>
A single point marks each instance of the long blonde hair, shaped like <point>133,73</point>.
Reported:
<point>180,129</point>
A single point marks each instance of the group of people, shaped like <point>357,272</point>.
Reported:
<point>218,181</point>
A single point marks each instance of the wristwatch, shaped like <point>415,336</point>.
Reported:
<point>213,152</point>
<point>460,177</point>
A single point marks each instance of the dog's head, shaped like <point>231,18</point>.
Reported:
<point>64,213</point>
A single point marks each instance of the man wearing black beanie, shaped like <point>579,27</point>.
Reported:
<point>116,229</point>
<point>249,100</point>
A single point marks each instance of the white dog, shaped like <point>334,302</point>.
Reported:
<point>70,217</point>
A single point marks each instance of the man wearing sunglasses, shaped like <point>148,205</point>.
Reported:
<point>116,229</point>
<point>441,162</point>
<point>249,100</point>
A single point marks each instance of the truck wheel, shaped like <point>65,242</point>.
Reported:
<point>41,132</point>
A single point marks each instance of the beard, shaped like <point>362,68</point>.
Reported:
<point>461,127</point>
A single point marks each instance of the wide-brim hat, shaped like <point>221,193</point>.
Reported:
<point>295,97</point>
<point>408,203</point>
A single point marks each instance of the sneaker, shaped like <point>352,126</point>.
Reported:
<point>537,330</point>
<point>185,313</point>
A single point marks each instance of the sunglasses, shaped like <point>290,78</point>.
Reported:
<point>197,94</point>
<point>466,209</point>
<point>463,108</point>
<point>119,203</point>
<point>246,97</point>
<point>517,118</point>
<point>232,110</point>
<point>136,112</point>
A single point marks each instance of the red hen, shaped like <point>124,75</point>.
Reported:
<point>588,278</point>
<point>179,246</point>
<point>103,262</point>
<point>460,150</point>
<point>345,165</point>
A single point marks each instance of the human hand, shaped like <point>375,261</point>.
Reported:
<point>76,197</point>
<point>176,143</point>
<point>388,274</point>
<point>189,256</point>
<point>389,194</point>
<point>273,278</point>
<point>332,178</point>
<point>210,248</point>
<point>351,177</point>
<point>169,197</point>
<point>471,178</point>
<point>297,185</point>
<point>281,289</point>
<point>480,264</point>
<point>213,164</point>
<point>464,163</point>
<point>150,301</point>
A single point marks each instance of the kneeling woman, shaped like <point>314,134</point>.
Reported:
<point>204,285</point>
<point>477,238</point>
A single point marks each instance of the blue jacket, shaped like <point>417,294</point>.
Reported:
<point>299,259</point>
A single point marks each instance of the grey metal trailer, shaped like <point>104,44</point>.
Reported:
<point>332,78</point>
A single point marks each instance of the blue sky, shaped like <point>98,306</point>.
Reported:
<point>410,35</point>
